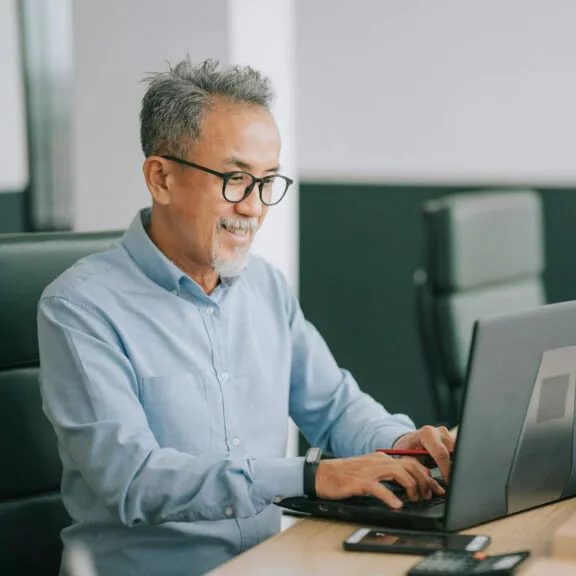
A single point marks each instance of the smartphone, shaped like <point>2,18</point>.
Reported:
<point>412,542</point>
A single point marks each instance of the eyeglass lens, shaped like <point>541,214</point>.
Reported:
<point>273,188</point>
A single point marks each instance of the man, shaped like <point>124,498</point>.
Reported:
<point>171,362</point>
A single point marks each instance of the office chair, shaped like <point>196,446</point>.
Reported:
<point>31,511</point>
<point>483,254</point>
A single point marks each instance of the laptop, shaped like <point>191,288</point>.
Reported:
<point>515,448</point>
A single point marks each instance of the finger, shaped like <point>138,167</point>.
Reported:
<point>447,438</point>
<point>422,477</point>
<point>431,439</point>
<point>382,493</point>
<point>441,456</point>
<point>436,488</point>
<point>400,475</point>
<point>430,484</point>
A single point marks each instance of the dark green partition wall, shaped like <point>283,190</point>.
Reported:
<point>12,212</point>
<point>359,245</point>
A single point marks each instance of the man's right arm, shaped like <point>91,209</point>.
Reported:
<point>90,395</point>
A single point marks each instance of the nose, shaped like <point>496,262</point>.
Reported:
<point>251,206</point>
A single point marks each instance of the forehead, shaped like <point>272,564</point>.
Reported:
<point>239,130</point>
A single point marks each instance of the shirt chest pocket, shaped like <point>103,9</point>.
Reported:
<point>178,411</point>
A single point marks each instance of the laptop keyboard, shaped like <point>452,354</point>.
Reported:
<point>370,500</point>
<point>373,501</point>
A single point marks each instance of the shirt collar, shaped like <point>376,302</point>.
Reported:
<point>154,263</point>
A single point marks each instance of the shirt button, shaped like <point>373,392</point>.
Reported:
<point>229,512</point>
<point>209,310</point>
<point>225,376</point>
<point>236,441</point>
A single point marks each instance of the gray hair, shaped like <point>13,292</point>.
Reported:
<point>175,101</point>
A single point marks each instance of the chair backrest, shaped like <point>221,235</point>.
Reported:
<point>31,511</point>
<point>483,254</point>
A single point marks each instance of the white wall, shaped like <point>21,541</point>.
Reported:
<point>443,91</point>
<point>13,151</point>
<point>115,44</point>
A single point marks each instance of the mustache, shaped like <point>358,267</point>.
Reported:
<point>249,224</point>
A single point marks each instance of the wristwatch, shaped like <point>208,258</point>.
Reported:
<point>311,461</point>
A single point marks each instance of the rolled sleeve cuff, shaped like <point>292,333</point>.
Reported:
<point>385,438</point>
<point>278,478</point>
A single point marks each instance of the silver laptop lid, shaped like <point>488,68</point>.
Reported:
<point>516,447</point>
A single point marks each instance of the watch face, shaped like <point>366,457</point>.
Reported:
<point>313,455</point>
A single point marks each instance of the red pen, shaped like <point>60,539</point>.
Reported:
<point>393,452</point>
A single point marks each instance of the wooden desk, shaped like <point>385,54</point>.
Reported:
<point>313,547</point>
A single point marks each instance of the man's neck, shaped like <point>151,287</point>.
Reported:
<point>206,277</point>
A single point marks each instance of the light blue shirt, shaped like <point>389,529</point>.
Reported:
<point>171,407</point>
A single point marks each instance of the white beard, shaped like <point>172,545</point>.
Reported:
<point>230,267</point>
<point>235,265</point>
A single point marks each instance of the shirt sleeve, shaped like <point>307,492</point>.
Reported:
<point>91,396</point>
<point>327,404</point>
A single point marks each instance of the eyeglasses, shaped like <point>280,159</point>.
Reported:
<point>238,185</point>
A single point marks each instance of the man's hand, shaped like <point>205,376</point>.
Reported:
<point>345,477</point>
<point>436,441</point>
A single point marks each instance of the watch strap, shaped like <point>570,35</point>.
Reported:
<point>311,462</point>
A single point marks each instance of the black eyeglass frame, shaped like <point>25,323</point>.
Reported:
<point>227,175</point>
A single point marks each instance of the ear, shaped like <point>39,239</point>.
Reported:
<point>157,178</point>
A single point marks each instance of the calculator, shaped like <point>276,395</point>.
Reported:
<point>461,563</point>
